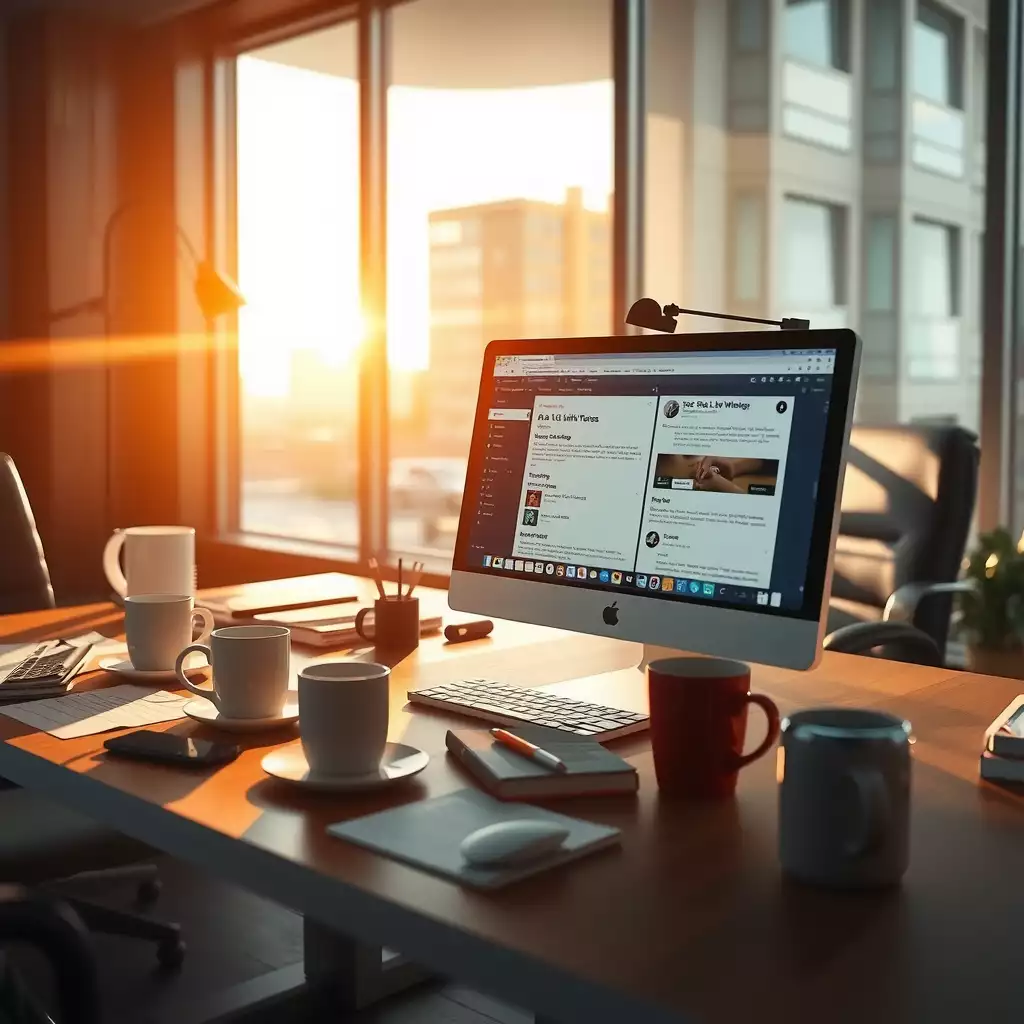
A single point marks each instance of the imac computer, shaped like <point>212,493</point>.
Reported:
<point>680,491</point>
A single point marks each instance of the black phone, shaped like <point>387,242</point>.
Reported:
<point>148,745</point>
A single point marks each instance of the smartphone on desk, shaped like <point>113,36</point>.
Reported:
<point>167,748</point>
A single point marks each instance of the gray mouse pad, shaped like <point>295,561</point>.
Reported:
<point>427,834</point>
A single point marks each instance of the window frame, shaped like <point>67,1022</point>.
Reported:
<point>223,532</point>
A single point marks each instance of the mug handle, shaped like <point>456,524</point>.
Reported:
<point>360,616</point>
<point>211,694</point>
<point>207,627</point>
<point>772,713</point>
<point>874,806</point>
<point>112,563</point>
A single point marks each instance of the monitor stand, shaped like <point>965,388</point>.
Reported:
<point>624,688</point>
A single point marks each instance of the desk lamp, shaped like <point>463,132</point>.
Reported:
<point>648,313</point>
<point>215,292</point>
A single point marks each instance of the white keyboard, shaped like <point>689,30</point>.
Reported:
<point>502,704</point>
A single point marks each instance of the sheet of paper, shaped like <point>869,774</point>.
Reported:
<point>85,714</point>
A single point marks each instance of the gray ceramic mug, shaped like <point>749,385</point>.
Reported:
<point>844,797</point>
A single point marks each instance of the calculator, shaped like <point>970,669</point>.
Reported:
<point>52,662</point>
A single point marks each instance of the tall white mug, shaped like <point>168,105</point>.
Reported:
<point>158,626</point>
<point>157,560</point>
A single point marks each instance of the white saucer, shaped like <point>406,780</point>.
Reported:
<point>203,710</point>
<point>123,667</point>
<point>400,761</point>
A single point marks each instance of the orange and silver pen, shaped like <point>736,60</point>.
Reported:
<point>527,749</point>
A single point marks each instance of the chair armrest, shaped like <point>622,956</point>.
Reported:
<point>861,637</point>
<point>902,603</point>
<point>53,928</point>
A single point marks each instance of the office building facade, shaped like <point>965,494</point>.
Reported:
<point>511,269</point>
<point>825,158</point>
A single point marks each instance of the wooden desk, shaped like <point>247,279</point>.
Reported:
<point>689,920</point>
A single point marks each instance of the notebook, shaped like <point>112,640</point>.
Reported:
<point>331,625</point>
<point>427,834</point>
<point>510,776</point>
<point>251,599</point>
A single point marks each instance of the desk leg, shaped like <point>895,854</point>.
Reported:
<point>337,975</point>
<point>358,974</point>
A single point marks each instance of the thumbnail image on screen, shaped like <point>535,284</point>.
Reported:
<point>720,473</point>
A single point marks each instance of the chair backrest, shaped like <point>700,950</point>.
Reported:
<point>908,500</point>
<point>24,577</point>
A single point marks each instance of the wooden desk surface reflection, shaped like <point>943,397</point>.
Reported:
<point>688,920</point>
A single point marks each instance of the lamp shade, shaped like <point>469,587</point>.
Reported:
<point>648,313</point>
<point>216,293</point>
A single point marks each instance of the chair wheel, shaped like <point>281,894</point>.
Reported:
<point>171,953</point>
<point>149,891</point>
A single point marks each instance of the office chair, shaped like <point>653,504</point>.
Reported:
<point>24,577</point>
<point>41,842</point>
<point>54,930</point>
<point>908,500</point>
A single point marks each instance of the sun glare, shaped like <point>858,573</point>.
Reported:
<point>298,199</point>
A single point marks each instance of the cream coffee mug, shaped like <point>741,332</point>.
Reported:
<point>157,560</point>
<point>158,626</point>
<point>251,667</point>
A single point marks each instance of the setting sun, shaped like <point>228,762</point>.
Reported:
<point>298,198</point>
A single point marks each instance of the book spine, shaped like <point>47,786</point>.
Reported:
<point>468,759</point>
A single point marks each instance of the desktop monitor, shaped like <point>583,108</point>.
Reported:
<point>677,490</point>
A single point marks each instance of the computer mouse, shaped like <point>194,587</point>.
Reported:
<point>508,843</point>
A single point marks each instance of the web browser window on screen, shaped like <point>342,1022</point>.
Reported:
<point>688,474</point>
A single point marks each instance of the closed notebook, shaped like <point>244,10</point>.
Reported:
<point>428,834</point>
<point>509,776</point>
<point>251,599</point>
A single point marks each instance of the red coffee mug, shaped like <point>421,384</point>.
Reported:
<point>699,722</point>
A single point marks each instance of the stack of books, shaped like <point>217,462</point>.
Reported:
<point>1002,758</point>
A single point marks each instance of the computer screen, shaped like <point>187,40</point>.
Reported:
<point>683,475</point>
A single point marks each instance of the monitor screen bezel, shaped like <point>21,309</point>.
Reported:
<point>846,345</point>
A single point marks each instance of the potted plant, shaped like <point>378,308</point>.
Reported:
<point>992,609</point>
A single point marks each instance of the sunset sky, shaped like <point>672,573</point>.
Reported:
<point>298,199</point>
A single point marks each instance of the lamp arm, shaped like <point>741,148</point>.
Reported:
<point>108,244</point>
<point>787,323</point>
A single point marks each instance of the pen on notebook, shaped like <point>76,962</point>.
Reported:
<point>527,749</point>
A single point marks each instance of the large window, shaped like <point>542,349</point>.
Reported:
<point>499,225</point>
<point>298,266</point>
<point>856,207</point>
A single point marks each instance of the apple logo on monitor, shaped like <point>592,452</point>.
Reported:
<point>611,614</point>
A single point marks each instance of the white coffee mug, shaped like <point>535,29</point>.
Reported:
<point>251,670</point>
<point>157,560</point>
<point>158,626</point>
<point>343,716</point>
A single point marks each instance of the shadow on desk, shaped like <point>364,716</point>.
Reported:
<point>108,621</point>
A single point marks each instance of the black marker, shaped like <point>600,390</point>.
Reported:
<point>468,631</point>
